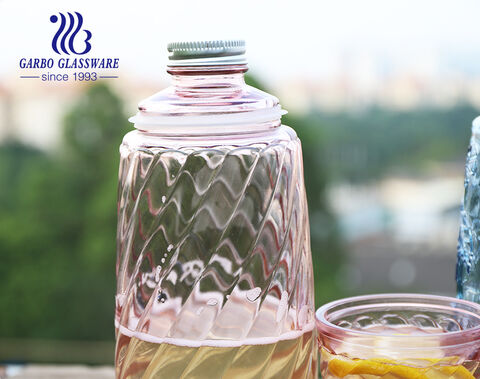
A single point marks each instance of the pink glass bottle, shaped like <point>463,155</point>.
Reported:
<point>213,264</point>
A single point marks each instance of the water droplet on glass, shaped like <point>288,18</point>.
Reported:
<point>163,199</point>
<point>157,273</point>
<point>169,248</point>
<point>165,255</point>
<point>162,260</point>
<point>161,297</point>
<point>212,302</point>
<point>253,294</point>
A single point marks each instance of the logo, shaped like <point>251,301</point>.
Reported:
<point>64,39</point>
<point>72,43</point>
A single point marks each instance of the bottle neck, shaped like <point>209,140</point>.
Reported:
<point>207,70</point>
<point>208,81</point>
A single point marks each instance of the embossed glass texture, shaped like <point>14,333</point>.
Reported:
<point>213,260</point>
<point>401,336</point>
<point>468,248</point>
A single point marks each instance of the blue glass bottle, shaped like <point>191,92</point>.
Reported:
<point>468,261</point>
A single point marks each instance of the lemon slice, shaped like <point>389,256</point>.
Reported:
<point>459,372</point>
<point>341,367</point>
<point>344,367</point>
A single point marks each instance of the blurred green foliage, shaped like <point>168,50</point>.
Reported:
<point>378,142</point>
<point>57,229</point>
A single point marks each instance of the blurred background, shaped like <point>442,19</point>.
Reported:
<point>381,93</point>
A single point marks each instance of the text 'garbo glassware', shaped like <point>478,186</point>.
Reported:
<point>399,336</point>
<point>214,265</point>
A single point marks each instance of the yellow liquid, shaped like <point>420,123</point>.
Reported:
<point>337,366</point>
<point>286,358</point>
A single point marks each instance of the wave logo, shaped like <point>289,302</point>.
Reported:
<point>67,31</point>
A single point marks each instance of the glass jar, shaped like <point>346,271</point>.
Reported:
<point>399,335</point>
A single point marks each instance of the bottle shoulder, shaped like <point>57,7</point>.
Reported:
<point>207,99</point>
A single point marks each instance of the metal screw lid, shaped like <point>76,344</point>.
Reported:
<point>207,53</point>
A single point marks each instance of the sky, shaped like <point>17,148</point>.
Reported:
<point>285,39</point>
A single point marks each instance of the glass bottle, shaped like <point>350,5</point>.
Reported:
<point>214,270</point>
<point>468,261</point>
